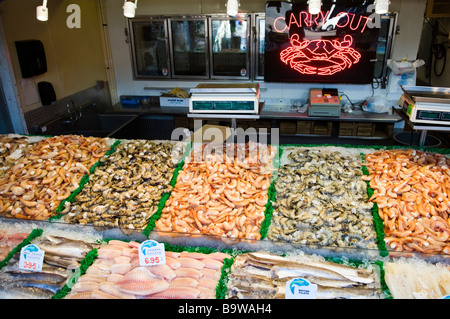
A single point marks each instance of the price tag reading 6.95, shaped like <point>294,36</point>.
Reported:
<point>151,253</point>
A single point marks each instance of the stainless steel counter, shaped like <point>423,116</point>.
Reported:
<point>268,113</point>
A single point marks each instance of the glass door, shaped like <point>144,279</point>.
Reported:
<point>149,43</point>
<point>230,47</point>
<point>259,46</point>
<point>189,48</point>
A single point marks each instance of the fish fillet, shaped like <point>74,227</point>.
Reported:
<point>106,253</point>
<point>144,287</point>
<point>115,277</point>
<point>85,286</point>
<point>211,273</point>
<point>137,275</point>
<point>172,263</point>
<point>194,255</point>
<point>122,268</point>
<point>98,294</point>
<point>207,283</point>
<point>212,263</point>
<point>176,293</point>
<point>112,289</point>
<point>219,256</point>
<point>188,272</point>
<point>162,271</point>
<point>188,262</point>
<point>184,282</point>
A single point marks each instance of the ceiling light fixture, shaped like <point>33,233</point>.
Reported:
<point>382,6</point>
<point>42,12</point>
<point>232,7</point>
<point>314,6</point>
<point>129,8</point>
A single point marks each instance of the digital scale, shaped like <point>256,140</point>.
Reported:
<point>424,104</point>
<point>324,102</point>
<point>225,98</point>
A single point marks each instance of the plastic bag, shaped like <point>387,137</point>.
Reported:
<point>402,67</point>
<point>376,104</point>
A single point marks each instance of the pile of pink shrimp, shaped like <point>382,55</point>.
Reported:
<point>412,191</point>
<point>224,193</point>
<point>34,187</point>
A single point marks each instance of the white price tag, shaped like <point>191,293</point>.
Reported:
<point>300,288</point>
<point>31,258</point>
<point>151,253</point>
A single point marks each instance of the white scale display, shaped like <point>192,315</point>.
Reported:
<point>428,105</point>
<point>225,98</point>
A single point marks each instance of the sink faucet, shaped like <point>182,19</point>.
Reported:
<point>73,115</point>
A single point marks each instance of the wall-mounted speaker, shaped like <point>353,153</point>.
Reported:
<point>32,58</point>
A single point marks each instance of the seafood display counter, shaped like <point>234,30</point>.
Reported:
<point>237,220</point>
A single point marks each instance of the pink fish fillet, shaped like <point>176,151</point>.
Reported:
<point>114,277</point>
<point>92,278</point>
<point>79,295</point>
<point>105,253</point>
<point>139,274</point>
<point>112,289</point>
<point>172,263</point>
<point>172,254</point>
<point>121,259</point>
<point>98,271</point>
<point>184,282</point>
<point>176,293</point>
<point>122,268</point>
<point>219,256</point>
<point>130,252</point>
<point>188,272</point>
<point>207,283</point>
<point>162,271</point>
<point>212,263</point>
<point>211,273</point>
<point>98,294</point>
<point>190,263</point>
<point>206,293</point>
<point>116,242</point>
<point>85,286</point>
<point>143,288</point>
<point>193,255</point>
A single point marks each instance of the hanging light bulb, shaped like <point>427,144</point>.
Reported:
<point>382,6</point>
<point>129,8</point>
<point>232,7</point>
<point>314,6</point>
<point>42,12</point>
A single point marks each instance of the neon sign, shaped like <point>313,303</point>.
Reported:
<point>337,45</point>
<point>320,57</point>
<point>344,19</point>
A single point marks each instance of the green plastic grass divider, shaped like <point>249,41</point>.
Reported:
<point>377,221</point>
<point>33,234</point>
<point>268,213</point>
<point>162,202</point>
<point>87,261</point>
<point>84,180</point>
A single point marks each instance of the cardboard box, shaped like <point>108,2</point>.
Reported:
<point>211,133</point>
<point>173,101</point>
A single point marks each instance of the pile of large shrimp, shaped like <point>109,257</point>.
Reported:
<point>412,191</point>
<point>34,187</point>
<point>222,193</point>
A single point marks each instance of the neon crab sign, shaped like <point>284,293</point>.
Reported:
<point>320,57</point>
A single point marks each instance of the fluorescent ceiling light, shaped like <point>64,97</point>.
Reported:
<point>314,6</point>
<point>42,12</point>
<point>129,8</point>
<point>232,7</point>
<point>382,6</point>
